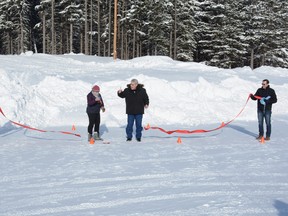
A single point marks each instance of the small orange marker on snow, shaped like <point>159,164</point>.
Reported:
<point>179,141</point>
<point>262,141</point>
<point>92,141</point>
<point>73,128</point>
<point>147,126</point>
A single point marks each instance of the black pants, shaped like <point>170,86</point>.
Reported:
<point>94,121</point>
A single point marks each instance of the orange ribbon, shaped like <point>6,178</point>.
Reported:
<point>31,128</point>
<point>201,130</point>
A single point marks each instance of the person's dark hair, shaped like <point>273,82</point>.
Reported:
<point>266,80</point>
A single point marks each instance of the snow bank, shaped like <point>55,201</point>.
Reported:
<point>43,90</point>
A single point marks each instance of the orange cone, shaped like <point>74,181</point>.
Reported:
<point>92,141</point>
<point>73,128</point>
<point>179,141</point>
<point>147,126</point>
<point>262,140</point>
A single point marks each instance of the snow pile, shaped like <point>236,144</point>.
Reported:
<point>43,90</point>
<point>222,173</point>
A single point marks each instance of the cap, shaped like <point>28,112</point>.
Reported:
<point>96,88</point>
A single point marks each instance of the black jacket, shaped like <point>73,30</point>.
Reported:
<point>92,105</point>
<point>135,99</point>
<point>264,93</point>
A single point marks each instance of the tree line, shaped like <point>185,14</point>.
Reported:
<point>222,33</point>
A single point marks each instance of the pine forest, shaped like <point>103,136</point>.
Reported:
<point>221,33</point>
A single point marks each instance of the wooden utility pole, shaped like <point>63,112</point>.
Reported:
<point>115,31</point>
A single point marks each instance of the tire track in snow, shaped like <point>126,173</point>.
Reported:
<point>129,201</point>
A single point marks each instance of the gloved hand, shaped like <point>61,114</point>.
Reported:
<point>103,109</point>
<point>250,95</point>
<point>262,101</point>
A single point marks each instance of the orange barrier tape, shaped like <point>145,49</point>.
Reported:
<point>31,128</point>
<point>200,130</point>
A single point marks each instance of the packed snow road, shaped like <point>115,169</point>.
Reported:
<point>226,172</point>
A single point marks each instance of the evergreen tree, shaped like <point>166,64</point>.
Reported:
<point>44,12</point>
<point>233,49</point>
<point>6,27</point>
<point>266,32</point>
<point>218,34</point>
<point>35,39</point>
<point>15,25</point>
<point>186,25</point>
<point>157,42</point>
<point>223,33</point>
<point>71,16</point>
<point>209,22</point>
<point>273,50</point>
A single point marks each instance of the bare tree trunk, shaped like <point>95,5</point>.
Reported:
<point>81,43</point>
<point>175,30</point>
<point>52,28</point>
<point>62,40</point>
<point>125,43</point>
<point>252,59</point>
<point>91,27</point>
<point>71,37</point>
<point>134,40</point>
<point>126,46</point>
<point>10,44</point>
<point>18,46</point>
<point>44,32</point>
<point>86,28</point>
<point>35,46</point>
<point>122,43</point>
<point>109,37</point>
<point>155,51</point>
<point>138,49</point>
<point>137,43</point>
<point>99,29</point>
<point>48,48</point>
<point>263,60</point>
<point>21,34</point>
<point>171,44</point>
<point>66,35</point>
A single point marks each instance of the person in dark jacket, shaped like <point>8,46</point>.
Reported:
<point>136,99</point>
<point>264,107</point>
<point>94,105</point>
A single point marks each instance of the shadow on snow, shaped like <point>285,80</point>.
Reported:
<point>281,207</point>
<point>8,128</point>
<point>242,130</point>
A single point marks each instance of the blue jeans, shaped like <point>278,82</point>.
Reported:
<point>267,116</point>
<point>130,123</point>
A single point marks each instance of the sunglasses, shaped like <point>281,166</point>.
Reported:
<point>264,84</point>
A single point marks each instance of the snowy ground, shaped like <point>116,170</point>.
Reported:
<point>226,172</point>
